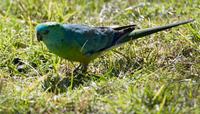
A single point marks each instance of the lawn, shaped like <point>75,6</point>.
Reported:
<point>159,73</point>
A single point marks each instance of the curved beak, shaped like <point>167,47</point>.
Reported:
<point>39,37</point>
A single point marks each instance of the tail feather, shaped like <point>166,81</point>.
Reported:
<point>144,32</point>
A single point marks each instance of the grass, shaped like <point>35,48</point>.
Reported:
<point>159,73</point>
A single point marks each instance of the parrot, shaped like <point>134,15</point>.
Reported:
<point>83,43</point>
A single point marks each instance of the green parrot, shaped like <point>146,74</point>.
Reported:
<point>83,43</point>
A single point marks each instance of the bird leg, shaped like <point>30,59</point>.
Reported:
<point>82,68</point>
<point>76,70</point>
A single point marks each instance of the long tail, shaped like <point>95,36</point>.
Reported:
<point>144,32</point>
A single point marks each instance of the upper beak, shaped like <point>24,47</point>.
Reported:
<point>39,36</point>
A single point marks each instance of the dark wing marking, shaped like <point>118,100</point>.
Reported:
<point>125,27</point>
<point>120,33</point>
<point>118,28</point>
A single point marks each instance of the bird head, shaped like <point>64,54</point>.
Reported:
<point>44,30</point>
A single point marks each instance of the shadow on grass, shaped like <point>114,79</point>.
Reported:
<point>58,84</point>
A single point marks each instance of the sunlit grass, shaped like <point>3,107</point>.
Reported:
<point>155,74</point>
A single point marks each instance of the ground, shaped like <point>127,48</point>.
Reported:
<point>159,73</point>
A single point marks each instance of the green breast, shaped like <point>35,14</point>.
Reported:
<point>70,51</point>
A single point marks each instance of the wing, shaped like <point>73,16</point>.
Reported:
<point>120,33</point>
<point>97,39</point>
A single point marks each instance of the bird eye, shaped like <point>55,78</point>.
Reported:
<point>46,32</point>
